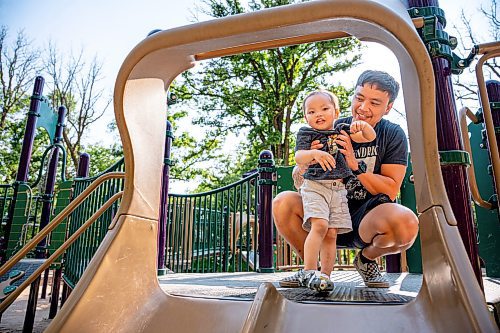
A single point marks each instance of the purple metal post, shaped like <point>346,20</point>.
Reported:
<point>29,132</point>
<point>393,263</point>
<point>449,138</point>
<point>493,91</point>
<point>54,298</point>
<point>83,166</point>
<point>41,248</point>
<point>65,293</point>
<point>162,221</point>
<point>24,161</point>
<point>266,167</point>
<point>29,317</point>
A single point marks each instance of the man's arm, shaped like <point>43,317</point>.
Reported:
<point>388,181</point>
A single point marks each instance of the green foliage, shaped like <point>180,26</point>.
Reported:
<point>255,96</point>
<point>71,86</point>
<point>102,157</point>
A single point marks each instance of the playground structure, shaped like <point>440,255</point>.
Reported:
<point>126,258</point>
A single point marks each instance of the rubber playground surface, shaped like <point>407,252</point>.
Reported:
<point>349,289</point>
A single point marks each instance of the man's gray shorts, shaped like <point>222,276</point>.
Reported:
<point>326,199</point>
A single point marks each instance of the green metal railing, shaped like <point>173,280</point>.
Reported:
<point>25,219</point>
<point>81,252</point>
<point>214,231</point>
<point>6,192</point>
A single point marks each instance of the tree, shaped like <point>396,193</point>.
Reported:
<point>19,63</point>
<point>75,85</point>
<point>102,158</point>
<point>465,85</point>
<point>255,96</point>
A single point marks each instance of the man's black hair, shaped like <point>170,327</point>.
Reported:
<point>382,81</point>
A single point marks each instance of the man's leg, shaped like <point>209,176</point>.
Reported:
<point>288,213</point>
<point>388,228</point>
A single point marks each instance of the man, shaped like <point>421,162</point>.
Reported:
<point>380,226</point>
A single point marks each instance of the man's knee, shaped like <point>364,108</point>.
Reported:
<point>279,209</point>
<point>389,225</point>
<point>405,227</point>
<point>278,202</point>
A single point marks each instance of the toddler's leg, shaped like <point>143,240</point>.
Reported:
<point>313,243</point>
<point>328,251</point>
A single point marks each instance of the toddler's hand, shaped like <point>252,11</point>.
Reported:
<point>316,144</point>
<point>324,159</point>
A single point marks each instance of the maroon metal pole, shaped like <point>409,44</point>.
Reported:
<point>83,166</point>
<point>45,283</point>
<point>266,170</point>
<point>54,299</point>
<point>65,293</point>
<point>24,161</point>
<point>393,263</point>
<point>41,249</point>
<point>29,317</point>
<point>162,221</point>
<point>29,133</point>
<point>449,139</point>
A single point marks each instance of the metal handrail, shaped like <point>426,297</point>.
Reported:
<point>9,299</point>
<point>489,50</point>
<point>57,220</point>
<point>463,113</point>
<point>227,187</point>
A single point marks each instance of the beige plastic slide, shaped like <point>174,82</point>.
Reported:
<point>119,291</point>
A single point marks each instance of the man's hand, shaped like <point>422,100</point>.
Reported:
<point>344,141</point>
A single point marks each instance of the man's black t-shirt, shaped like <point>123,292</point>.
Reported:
<point>389,147</point>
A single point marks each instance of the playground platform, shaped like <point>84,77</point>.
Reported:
<point>349,288</point>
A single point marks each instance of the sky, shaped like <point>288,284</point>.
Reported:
<point>111,29</point>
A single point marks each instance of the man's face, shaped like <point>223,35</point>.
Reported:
<point>370,104</point>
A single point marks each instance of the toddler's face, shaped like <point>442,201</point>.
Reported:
<point>319,112</point>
